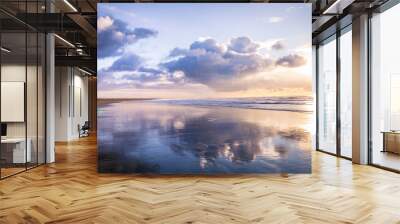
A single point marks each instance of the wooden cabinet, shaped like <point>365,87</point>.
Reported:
<point>391,142</point>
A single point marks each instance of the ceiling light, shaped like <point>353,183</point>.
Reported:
<point>5,50</point>
<point>331,7</point>
<point>79,51</point>
<point>70,5</point>
<point>84,71</point>
<point>64,40</point>
<point>337,7</point>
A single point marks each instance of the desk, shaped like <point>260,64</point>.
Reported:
<point>18,151</point>
<point>391,141</point>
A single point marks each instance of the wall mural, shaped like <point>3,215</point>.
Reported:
<point>204,88</point>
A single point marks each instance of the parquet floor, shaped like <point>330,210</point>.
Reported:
<point>71,191</point>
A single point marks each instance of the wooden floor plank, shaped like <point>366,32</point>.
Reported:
<point>71,191</point>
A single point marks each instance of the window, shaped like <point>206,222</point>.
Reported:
<point>327,96</point>
<point>346,93</point>
<point>385,89</point>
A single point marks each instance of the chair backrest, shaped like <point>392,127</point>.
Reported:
<point>86,125</point>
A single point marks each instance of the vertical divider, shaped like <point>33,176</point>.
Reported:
<point>369,96</point>
<point>317,97</point>
<point>26,86</point>
<point>0,95</point>
<point>37,90</point>
<point>338,81</point>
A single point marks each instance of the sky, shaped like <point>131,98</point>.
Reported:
<point>189,50</point>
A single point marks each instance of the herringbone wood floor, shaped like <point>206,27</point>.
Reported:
<point>71,191</point>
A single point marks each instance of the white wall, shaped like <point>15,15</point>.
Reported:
<point>62,82</point>
<point>70,84</point>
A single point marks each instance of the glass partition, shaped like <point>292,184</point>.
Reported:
<point>13,94</point>
<point>22,77</point>
<point>41,97</point>
<point>31,99</point>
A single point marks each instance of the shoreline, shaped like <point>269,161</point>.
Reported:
<point>147,100</point>
<point>103,101</point>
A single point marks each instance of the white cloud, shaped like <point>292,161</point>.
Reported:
<point>268,44</point>
<point>104,23</point>
<point>275,19</point>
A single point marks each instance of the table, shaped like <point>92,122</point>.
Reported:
<point>19,155</point>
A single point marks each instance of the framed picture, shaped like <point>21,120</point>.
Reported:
<point>204,88</point>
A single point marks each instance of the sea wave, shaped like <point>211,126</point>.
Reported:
<point>296,104</point>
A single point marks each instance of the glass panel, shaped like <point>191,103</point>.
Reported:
<point>23,90</point>
<point>327,96</point>
<point>13,87</point>
<point>31,98</point>
<point>32,88</point>
<point>314,87</point>
<point>386,89</point>
<point>346,94</point>
<point>41,99</point>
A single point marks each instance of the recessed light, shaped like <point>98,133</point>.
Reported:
<point>64,40</point>
<point>5,50</point>
<point>70,5</point>
<point>84,71</point>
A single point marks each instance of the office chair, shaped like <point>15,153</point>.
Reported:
<point>84,130</point>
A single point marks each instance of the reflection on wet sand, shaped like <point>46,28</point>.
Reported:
<point>143,137</point>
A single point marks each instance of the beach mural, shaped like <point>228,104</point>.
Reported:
<point>204,88</point>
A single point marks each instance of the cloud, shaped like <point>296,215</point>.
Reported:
<point>177,52</point>
<point>128,62</point>
<point>141,33</point>
<point>236,65</point>
<point>140,79</point>
<point>104,23</point>
<point>129,72</point>
<point>209,45</point>
<point>275,19</point>
<point>243,45</point>
<point>149,70</point>
<point>206,61</point>
<point>278,45</point>
<point>291,61</point>
<point>114,35</point>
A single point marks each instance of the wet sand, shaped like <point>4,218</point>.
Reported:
<point>144,137</point>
